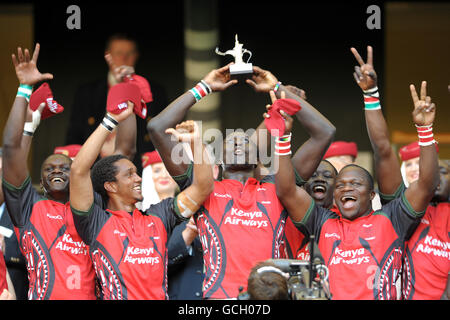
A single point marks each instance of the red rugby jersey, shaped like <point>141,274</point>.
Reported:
<point>427,258</point>
<point>296,245</point>
<point>363,255</point>
<point>129,251</point>
<point>58,262</point>
<point>239,226</point>
<point>3,283</point>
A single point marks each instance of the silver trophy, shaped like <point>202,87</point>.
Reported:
<point>239,67</point>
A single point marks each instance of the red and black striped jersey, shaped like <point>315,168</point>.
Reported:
<point>129,250</point>
<point>364,255</point>
<point>239,226</point>
<point>58,261</point>
<point>296,245</point>
<point>427,258</point>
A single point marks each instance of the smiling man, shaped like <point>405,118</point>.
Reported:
<point>363,248</point>
<point>320,187</point>
<point>128,247</point>
<point>57,261</point>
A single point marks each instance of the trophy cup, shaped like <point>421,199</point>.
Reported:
<point>239,68</point>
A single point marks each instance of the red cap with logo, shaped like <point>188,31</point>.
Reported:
<point>341,148</point>
<point>131,90</point>
<point>118,96</point>
<point>149,158</point>
<point>44,94</point>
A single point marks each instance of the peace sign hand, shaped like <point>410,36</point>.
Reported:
<point>365,75</point>
<point>26,68</point>
<point>424,110</point>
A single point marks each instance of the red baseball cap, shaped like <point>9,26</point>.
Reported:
<point>411,151</point>
<point>143,85</point>
<point>341,148</point>
<point>44,94</point>
<point>149,158</point>
<point>118,96</point>
<point>276,121</point>
<point>146,94</point>
<point>71,150</point>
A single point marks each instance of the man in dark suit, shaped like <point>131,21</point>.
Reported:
<point>89,104</point>
<point>185,273</point>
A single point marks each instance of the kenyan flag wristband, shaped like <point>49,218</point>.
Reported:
<point>372,99</point>
<point>202,89</point>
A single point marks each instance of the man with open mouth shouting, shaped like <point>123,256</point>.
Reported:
<point>362,248</point>
<point>320,187</point>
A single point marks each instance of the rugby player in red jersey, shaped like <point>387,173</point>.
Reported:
<point>320,186</point>
<point>426,262</point>
<point>129,247</point>
<point>58,263</point>
<point>362,248</point>
<point>242,221</point>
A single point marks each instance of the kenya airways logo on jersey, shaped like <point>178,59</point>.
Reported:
<point>141,256</point>
<point>254,219</point>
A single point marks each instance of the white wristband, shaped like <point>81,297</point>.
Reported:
<point>30,127</point>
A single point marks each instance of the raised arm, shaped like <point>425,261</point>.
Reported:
<point>190,200</point>
<point>174,113</point>
<point>386,163</point>
<point>321,131</point>
<point>81,189</point>
<point>294,199</point>
<point>15,151</point>
<point>125,142</point>
<point>420,192</point>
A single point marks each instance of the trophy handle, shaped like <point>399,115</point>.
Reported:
<point>230,52</point>
<point>249,52</point>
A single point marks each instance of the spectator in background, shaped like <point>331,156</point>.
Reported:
<point>157,183</point>
<point>89,103</point>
